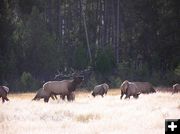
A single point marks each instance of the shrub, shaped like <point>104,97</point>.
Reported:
<point>115,82</point>
<point>91,83</point>
<point>177,70</point>
<point>105,61</point>
<point>123,70</point>
<point>27,82</point>
<point>80,58</point>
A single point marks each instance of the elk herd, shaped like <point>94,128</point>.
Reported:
<point>66,89</point>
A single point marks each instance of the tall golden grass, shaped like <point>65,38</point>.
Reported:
<point>88,115</point>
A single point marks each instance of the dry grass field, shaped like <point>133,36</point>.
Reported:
<point>88,115</point>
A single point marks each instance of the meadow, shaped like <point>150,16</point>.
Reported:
<point>88,115</point>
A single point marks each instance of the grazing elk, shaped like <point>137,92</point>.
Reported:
<point>3,93</point>
<point>100,89</point>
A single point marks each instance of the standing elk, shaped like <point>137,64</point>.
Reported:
<point>64,87</point>
<point>42,94</point>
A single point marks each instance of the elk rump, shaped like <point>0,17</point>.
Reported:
<point>100,89</point>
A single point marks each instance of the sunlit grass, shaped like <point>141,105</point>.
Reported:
<point>88,115</point>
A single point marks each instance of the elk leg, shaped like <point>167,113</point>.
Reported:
<point>55,97</point>
<point>127,96</point>
<point>46,99</point>
<point>52,96</point>
<point>62,97</point>
<point>5,98</point>
<point>122,94</point>
<point>2,100</point>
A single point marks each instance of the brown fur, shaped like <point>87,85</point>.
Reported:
<point>100,89</point>
<point>42,94</point>
<point>3,94</point>
<point>70,97</point>
<point>64,87</point>
<point>145,87</point>
<point>129,89</point>
<point>164,89</point>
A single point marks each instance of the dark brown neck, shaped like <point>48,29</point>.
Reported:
<point>72,86</point>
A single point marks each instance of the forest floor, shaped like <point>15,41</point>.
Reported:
<point>88,115</point>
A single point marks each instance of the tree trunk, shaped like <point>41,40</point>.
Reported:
<point>117,36</point>
<point>50,15</point>
<point>86,32</point>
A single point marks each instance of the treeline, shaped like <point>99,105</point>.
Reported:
<point>118,39</point>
